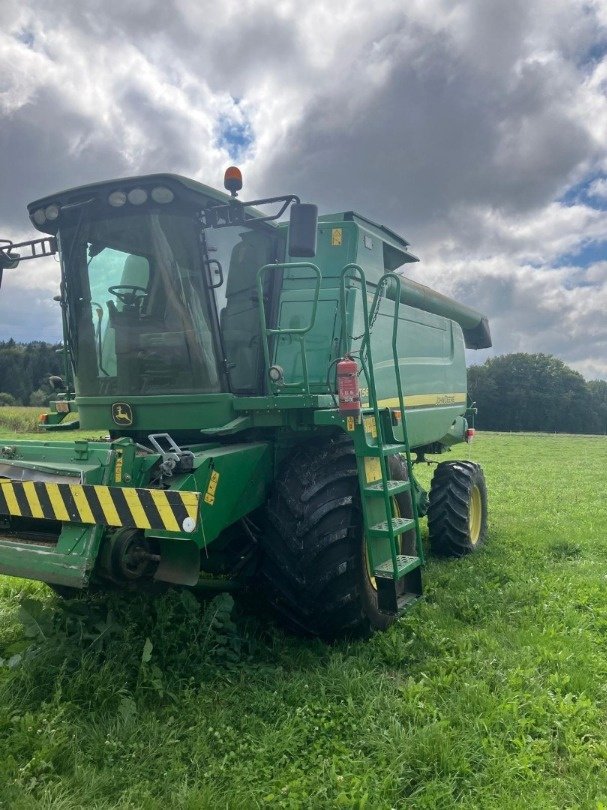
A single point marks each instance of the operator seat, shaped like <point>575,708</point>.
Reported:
<point>122,338</point>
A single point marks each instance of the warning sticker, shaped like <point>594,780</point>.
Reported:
<point>350,424</point>
<point>118,467</point>
<point>336,236</point>
<point>372,470</point>
<point>209,496</point>
<point>370,426</point>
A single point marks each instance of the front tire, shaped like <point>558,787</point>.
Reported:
<point>457,512</point>
<point>315,557</point>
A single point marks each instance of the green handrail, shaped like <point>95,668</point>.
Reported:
<point>385,279</point>
<point>299,333</point>
<point>367,368</point>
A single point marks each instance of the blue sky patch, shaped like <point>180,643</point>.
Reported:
<point>588,254</point>
<point>579,194</point>
<point>234,136</point>
<point>26,37</point>
<point>596,53</point>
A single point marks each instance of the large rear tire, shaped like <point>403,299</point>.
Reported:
<point>314,564</point>
<point>457,512</point>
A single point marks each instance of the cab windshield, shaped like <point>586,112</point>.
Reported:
<point>140,316</point>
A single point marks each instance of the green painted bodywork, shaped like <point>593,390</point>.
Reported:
<point>277,311</point>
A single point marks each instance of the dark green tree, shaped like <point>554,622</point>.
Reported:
<point>25,368</point>
<point>536,392</point>
<point>598,395</point>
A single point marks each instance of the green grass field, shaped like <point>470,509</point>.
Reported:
<point>15,419</point>
<point>491,693</point>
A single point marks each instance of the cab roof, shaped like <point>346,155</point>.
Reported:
<point>192,190</point>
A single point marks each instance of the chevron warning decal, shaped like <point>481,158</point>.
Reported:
<point>163,509</point>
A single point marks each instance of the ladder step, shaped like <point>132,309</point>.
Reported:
<point>392,488</point>
<point>393,449</point>
<point>399,526</point>
<point>406,601</point>
<point>403,566</point>
<point>375,451</point>
<point>388,426</point>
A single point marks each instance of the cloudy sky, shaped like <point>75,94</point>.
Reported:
<point>477,129</point>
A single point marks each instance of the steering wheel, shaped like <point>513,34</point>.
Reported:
<point>128,293</point>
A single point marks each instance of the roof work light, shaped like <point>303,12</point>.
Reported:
<point>232,180</point>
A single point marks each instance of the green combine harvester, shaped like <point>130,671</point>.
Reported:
<point>267,387</point>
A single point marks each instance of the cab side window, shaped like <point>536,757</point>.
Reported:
<point>241,256</point>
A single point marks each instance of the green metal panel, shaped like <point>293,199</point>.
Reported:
<point>234,480</point>
<point>370,253</point>
<point>159,413</point>
<point>295,308</point>
<point>432,365</point>
<point>69,561</point>
<point>80,461</point>
<point>337,245</point>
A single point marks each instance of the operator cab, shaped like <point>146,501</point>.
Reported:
<point>158,275</point>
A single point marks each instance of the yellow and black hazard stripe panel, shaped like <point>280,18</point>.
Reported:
<point>165,509</point>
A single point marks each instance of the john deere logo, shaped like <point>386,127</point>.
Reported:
<point>122,414</point>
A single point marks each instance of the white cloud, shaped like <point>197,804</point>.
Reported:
<point>460,125</point>
<point>598,188</point>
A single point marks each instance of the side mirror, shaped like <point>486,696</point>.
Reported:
<point>302,230</point>
<point>8,261</point>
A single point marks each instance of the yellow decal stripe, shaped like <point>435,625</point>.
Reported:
<point>82,505</point>
<point>33,499</point>
<point>11,500</point>
<point>190,501</point>
<point>419,400</point>
<point>56,500</point>
<point>134,504</point>
<point>107,505</point>
<point>164,510</point>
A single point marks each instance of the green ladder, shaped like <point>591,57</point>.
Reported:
<point>397,576</point>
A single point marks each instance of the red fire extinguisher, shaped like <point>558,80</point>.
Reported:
<point>348,391</point>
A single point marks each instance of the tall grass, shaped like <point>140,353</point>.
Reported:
<point>488,694</point>
<point>18,419</point>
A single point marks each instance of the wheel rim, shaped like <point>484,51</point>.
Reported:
<point>395,513</point>
<point>475,515</point>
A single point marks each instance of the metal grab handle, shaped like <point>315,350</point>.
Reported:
<point>218,272</point>
<point>297,332</point>
<point>318,279</point>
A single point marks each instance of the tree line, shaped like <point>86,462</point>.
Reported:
<point>536,392</point>
<point>25,369</point>
<point>526,392</point>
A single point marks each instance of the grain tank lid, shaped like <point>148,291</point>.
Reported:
<point>396,251</point>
